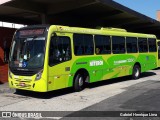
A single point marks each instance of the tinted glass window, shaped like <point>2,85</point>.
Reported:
<point>102,44</point>
<point>83,44</point>
<point>28,52</point>
<point>118,45</point>
<point>60,50</point>
<point>131,43</point>
<point>142,45</point>
<point>152,45</point>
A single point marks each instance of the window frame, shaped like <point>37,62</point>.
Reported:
<point>70,43</point>
<point>124,45</point>
<point>137,50</point>
<point>155,44</point>
<point>110,44</point>
<point>143,45</point>
<point>93,45</point>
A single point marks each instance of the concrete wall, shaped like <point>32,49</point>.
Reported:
<point>4,1</point>
<point>6,34</point>
<point>158,15</point>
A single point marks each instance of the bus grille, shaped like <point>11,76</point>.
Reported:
<point>26,86</point>
<point>23,73</point>
<point>24,80</point>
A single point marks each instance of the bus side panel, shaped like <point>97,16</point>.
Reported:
<point>147,61</point>
<point>105,67</point>
<point>93,64</point>
<point>152,61</point>
<point>158,45</point>
<point>120,65</point>
<point>59,75</point>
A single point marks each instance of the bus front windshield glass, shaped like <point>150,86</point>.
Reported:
<point>27,52</point>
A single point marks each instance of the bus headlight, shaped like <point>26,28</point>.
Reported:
<point>39,74</point>
<point>10,74</point>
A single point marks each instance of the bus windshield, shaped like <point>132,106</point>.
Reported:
<point>27,52</point>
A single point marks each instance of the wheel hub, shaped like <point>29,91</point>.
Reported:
<point>137,72</point>
<point>80,81</point>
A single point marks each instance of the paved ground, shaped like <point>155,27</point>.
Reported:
<point>94,102</point>
<point>4,88</point>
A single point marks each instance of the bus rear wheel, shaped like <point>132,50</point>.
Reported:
<point>79,83</point>
<point>136,72</point>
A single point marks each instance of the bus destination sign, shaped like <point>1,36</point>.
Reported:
<point>31,32</point>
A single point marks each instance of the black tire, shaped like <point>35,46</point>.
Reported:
<point>78,83</point>
<point>136,72</point>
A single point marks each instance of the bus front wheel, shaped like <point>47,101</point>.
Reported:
<point>78,83</point>
<point>136,72</point>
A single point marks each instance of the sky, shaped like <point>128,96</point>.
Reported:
<point>146,7</point>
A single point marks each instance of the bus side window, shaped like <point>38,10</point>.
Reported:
<point>131,43</point>
<point>79,50</point>
<point>102,44</point>
<point>118,45</point>
<point>142,45</point>
<point>152,45</point>
<point>89,50</point>
<point>83,44</point>
<point>60,50</point>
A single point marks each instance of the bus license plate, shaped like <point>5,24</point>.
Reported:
<point>22,84</point>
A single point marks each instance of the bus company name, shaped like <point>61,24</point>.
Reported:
<point>124,61</point>
<point>96,63</point>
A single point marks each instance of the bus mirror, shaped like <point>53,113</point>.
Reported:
<point>5,56</point>
<point>158,43</point>
<point>6,52</point>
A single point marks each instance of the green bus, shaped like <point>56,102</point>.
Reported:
<point>45,58</point>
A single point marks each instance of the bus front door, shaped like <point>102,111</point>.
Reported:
<point>59,61</point>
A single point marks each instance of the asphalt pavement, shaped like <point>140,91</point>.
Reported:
<point>106,100</point>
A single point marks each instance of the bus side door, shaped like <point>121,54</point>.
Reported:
<point>59,60</point>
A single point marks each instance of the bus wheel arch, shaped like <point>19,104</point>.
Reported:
<point>136,71</point>
<point>80,78</point>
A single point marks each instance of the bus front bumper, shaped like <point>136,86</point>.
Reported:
<point>28,83</point>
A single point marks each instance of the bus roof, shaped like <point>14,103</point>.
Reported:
<point>100,31</point>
